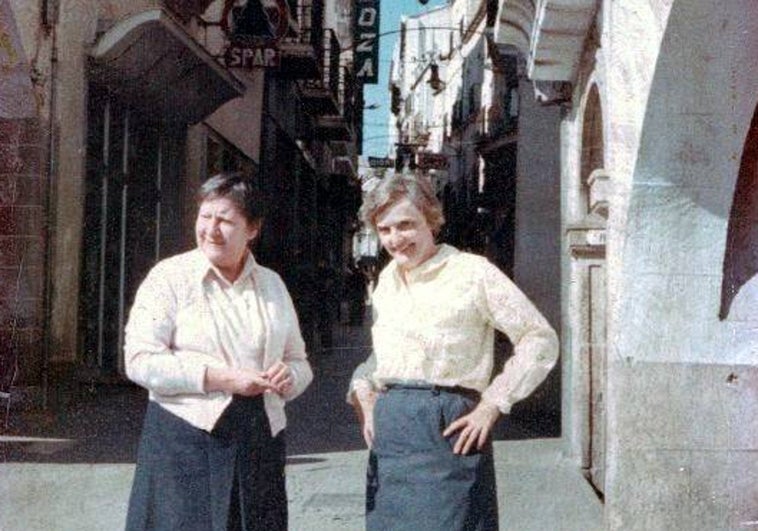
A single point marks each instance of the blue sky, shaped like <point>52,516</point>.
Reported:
<point>375,120</point>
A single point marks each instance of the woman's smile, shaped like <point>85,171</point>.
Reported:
<point>223,234</point>
<point>405,233</point>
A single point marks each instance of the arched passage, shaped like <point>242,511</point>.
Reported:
<point>680,378</point>
<point>683,185</point>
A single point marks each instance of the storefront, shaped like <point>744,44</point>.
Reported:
<point>148,82</point>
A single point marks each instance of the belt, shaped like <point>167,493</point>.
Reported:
<point>434,389</point>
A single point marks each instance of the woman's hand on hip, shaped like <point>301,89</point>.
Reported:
<point>364,406</point>
<point>475,428</point>
<point>279,377</point>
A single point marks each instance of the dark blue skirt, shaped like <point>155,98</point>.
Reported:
<point>415,481</point>
<point>229,479</point>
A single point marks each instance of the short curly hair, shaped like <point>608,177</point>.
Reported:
<point>397,187</point>
<point>239,189</point>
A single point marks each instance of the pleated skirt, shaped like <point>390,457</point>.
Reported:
<point>414,480</point>
<point>231,479</point>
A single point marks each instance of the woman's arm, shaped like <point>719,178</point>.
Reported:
<point>535,343</point>
<point>293,374</point>
<point>363,402</point>
<point>535,346</point>
<point>148,355</point>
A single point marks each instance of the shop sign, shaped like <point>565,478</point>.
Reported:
<point>251,56</point>
<point>431,161</point>
<point>381,162</point>
<point>366,39</point>
<point>254,29</point>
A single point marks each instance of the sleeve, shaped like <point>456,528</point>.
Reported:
<point>294,350</point>
<point>148,355</point>
<point>362,379</point>
<point>535,343</point>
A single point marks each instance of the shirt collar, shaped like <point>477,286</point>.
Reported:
<point>430,266</point>
<point>204,267</point>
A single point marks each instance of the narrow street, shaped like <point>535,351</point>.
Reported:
<point>73,471</point>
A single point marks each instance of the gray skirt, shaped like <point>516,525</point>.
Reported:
<point>414,479</point>
<point>229,479</point>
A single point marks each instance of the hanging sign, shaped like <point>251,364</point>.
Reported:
<point>254,29</point>
<point>366,39</point>
<point>431,161</point>
<point>381,162</point>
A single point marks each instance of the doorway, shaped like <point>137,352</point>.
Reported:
<point>587,292</point>
<point>132,202</point>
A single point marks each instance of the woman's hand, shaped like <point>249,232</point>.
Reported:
<point>364,407</point>
<point>244,382</point>
<point>279,377</point>
<point>474,427</point>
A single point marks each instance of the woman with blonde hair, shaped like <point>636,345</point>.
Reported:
<point>425,396</point>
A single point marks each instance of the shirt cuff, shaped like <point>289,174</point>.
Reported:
<point>502,403</point>
<point>293,392</point>
<point>196,378</point>
<point>359,385</point>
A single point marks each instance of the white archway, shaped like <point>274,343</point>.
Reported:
<point>679,377</point>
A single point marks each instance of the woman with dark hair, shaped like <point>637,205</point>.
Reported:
<point>425,396</point>
<point>213,336</point>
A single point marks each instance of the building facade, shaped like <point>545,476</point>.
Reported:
<point>133,106</point>
<point>657,136</point>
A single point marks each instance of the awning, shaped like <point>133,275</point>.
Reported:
<point>550,33</point>
<point>149,60</point>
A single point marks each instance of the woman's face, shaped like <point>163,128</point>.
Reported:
<point>223,233</point>
<point>405,234</point>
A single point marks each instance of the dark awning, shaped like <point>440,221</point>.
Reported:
<point>150,60</point>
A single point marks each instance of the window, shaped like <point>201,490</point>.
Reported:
<point>221,156</point>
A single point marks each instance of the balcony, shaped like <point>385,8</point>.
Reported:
<point>302,48</point>
<point>321,95</point>
<point>498,129</point>
<point>340,125</point>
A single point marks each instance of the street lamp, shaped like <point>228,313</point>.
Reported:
<point>436,84</point>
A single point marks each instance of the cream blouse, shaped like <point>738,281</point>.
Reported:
<point>438,324</point>
<point>185,318</point>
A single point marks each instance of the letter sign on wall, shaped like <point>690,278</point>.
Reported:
<point>366,39</point>
<point>254,29</point>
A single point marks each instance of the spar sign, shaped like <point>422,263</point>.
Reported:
<point>254,29</point>
<point>366,32</point>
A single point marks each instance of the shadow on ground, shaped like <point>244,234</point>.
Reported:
<point>102,424</point>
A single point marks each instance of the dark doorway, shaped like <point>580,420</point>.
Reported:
<point>132,204</point>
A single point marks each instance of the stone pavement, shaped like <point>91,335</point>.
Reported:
<point>72,470</point>
<point>538,490</point>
